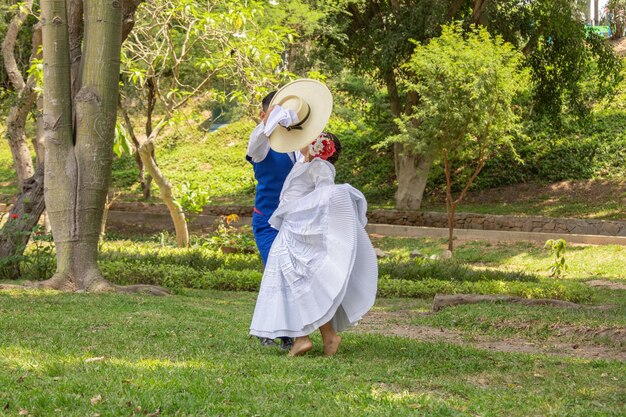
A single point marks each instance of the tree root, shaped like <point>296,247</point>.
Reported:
<point>94,283</point>
<point>441,301</point>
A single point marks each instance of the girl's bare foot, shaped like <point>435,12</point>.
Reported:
<point>331,345</point>
<point>301,346</point>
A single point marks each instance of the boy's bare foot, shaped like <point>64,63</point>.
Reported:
<point>331,345</point>
<point>301,346</point>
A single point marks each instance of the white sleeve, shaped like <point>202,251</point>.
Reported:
<point>322,173</point>
<point>258,145</point>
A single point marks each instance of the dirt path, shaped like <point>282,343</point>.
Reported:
<point>397,323</point>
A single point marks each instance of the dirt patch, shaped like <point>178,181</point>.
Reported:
<point>397,323</point>
<point>612,285</point>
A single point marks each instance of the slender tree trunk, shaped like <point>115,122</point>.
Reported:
<point>146,151</point>
<point>146,180</point>
<point>23,217</point>
<point>16,121</point>
<point>450,203</point>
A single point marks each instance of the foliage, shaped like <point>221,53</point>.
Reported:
<point>228,237</point>
<point>35,261</point>
<point>616,12</point>
<point>373,37</point>
<point>571,67</point>
<point>192,198</point>
<point>204,266</point>
<point>361,121</point>
<point>210,51</point>
<point>10,265</point>
<point>122,144</point>
<point>556,247</point>
<point>466,83</point>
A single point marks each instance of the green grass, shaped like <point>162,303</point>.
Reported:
<point>77,355</point>
<point>8,178</point>
<point>214,161</point>
<point>584,262</point>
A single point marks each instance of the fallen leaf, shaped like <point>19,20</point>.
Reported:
<point>220,381</point>
<point>96,359</point>
<point>95,400</point>
<point>23,412</point>
<point>157,412</point>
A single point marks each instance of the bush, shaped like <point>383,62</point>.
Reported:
<point>420,269</point>
<point>570,291</point>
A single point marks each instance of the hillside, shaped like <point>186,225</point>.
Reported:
<point>215,163</point>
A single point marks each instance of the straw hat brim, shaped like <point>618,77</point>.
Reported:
<point>320,101</point>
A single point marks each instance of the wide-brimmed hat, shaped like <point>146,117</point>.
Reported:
<point>313,103</point>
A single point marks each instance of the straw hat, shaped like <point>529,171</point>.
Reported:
<point>313,103</point>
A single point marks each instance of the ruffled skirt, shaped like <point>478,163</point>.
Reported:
<point>321,267</point>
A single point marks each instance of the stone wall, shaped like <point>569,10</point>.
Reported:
<point>504,223</point>
<point>154,217</point>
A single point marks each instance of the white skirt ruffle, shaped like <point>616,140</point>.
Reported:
<point>321,267</point>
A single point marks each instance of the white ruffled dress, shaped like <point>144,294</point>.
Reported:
<point>322,265</point>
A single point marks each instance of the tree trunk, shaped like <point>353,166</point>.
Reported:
<point>26,98</point>
<point>79,158</point>
<point>450,203</point>
<point>412,174</point>
<point>411,169</point>
<point>146,180</point>
<point>23,218</point>
<point>146,150</point>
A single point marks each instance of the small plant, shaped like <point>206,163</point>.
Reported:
<point>231,239</point>
<point>192,198</point>
<point>10,265</point>
<point>557,251</point>
<point>40,262</point>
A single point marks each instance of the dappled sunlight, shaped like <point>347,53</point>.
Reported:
<point>27,292</point>
<point>19,358</point>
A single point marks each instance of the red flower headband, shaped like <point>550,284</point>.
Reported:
<point>323,147</point>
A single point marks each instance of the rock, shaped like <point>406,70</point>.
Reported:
<point>447,254</point>
<point>380,253</point>
<point>434,257</point>
<point>416,254</point>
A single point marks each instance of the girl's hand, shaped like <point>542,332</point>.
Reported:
<point>267,114</point>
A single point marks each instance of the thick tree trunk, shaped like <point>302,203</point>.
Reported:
<point>79,157</point>
<point>411,169</point>
<point>23,218</point>
<point>412,174</point>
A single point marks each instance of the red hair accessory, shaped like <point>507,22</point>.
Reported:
<point>323,147</point>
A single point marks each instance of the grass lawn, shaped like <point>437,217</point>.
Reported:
<point>189,354</point>
<point>84,355</point>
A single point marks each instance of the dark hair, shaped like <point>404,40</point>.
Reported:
<point>333,158</point>
<point>265,104</point>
